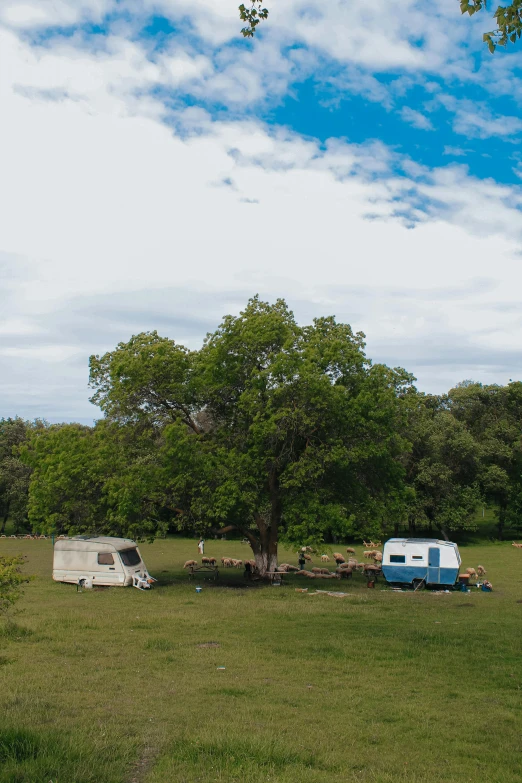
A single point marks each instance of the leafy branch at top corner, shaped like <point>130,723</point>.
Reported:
<point>508,18</point>
<point>252,15</point>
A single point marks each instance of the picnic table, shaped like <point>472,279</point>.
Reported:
<point>202,569</point>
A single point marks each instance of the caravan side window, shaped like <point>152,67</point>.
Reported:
<point>417,557</point>
<point>105,558</point>
<point>397,558</point>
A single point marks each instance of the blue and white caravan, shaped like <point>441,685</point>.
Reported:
<point>420,561</point>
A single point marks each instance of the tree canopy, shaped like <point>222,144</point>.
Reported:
<point>275,430</point>
<point>270,428</point>
<point>493,415</point>
<point>508,20</point>
<point>14,474</point>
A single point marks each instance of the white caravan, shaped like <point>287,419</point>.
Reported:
<point>99,560</point>
<point>420,561</point>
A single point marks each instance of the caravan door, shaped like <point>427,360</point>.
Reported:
<point>108,569</point>
<point>433,566</point>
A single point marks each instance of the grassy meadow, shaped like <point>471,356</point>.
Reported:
<point>122,686</point>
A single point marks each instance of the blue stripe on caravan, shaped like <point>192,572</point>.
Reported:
<point>406,574</point>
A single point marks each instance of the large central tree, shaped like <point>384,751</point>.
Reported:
<point>271,428</point>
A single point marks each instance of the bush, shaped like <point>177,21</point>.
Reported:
<point>11,581</point>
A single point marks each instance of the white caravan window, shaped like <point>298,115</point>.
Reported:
<point>105,558</point>
<point>397,558</point>
<point>417,557</point>
<point>130,557</point>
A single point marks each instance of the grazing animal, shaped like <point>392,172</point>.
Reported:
<point>205,560</point>
<point>212,561</point>
<point>518,546</point>
<point>377,557</point>
<point>350,550</point>
<point>190,563</point>
<point>481,571</point>
<point>292,568</point>
<point>471,572</point>
<point>317,570</point>
<point>308,558</point>
<point>339,559</point>
<point>337,554</point>
<point>325,559</point>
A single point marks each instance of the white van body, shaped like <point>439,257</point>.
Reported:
<point>97,560</point>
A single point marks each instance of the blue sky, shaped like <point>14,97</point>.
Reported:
<point>158,169</point>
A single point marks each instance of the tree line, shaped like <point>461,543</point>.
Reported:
<point>271,429</point>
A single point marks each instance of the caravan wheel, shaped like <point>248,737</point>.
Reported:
<point>418,584</point>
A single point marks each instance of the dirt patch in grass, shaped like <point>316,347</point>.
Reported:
<point>142,765</point>
<point>209,644</point>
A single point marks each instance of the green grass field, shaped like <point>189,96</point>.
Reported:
<point>123,686</point>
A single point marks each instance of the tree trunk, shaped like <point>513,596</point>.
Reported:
<point>265,548</point>
<point>444,533</point>
<point>501,522</point>
<point>4,521</point>
<point>265,561</point>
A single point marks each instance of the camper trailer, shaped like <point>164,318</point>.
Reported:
<point>420,561</point>
<point>99,560</point>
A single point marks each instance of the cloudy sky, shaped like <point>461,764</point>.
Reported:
<point>157,169</point>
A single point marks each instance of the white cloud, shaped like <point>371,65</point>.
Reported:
<point>457,152</point>
<point>476,120</point>
<point>103,200</point>
<point>416,118</point>
<point>24,13</point>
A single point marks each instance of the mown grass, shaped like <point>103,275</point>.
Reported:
<point>121,686</point>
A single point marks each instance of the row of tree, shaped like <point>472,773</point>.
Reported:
<point>273,430</point>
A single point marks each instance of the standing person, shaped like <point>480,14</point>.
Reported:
<point>302,561</point>
<point>201,547</point>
